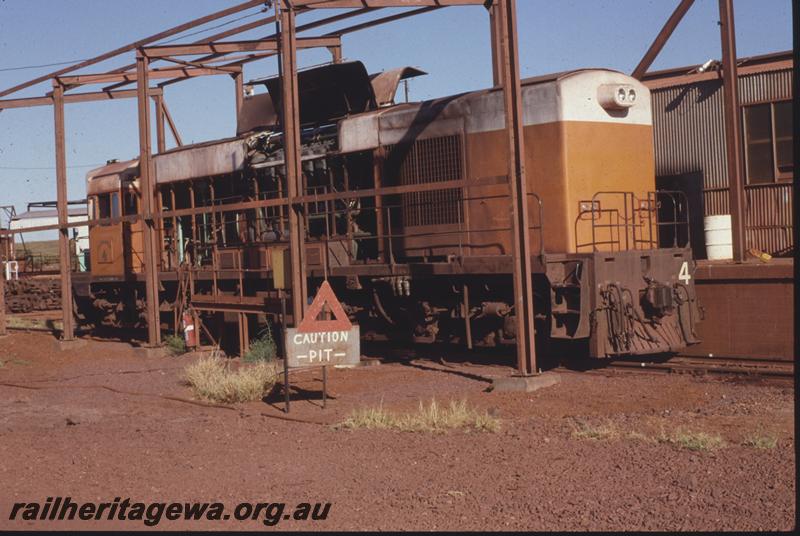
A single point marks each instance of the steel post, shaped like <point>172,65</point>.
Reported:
<point>291,137</point>
<point>63,216</point>
<point>383,235</point>
<point>336,54</point>
<point>494,19</point>
<point>521,251</point>
<point>3,296</point>
<point>467,320</point>
<point>161,143</point>
<point>733,130</point>
<point>147,187</point>
<point>238,80</point>
<point>283,343</point>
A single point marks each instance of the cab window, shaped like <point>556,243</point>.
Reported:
<point>107,205</point>
<point>115,205</point>
<point>103,206</point>
<point>131,204</point>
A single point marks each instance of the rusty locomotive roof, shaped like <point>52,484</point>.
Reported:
<point>174,163</point>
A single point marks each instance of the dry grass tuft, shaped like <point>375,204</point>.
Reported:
<point>584,430</point>
<point>761,442</point>
<point>211,378</point>
<point>693,440</point>
<point>15,361</point>
<point>639,436</point>
<point>686,439</point>
<point>430,418</point>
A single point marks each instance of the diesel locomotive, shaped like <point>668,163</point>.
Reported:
<point>406,210</point>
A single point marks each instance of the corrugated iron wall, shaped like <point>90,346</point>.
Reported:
<point>689,130</point>
<point>769,86</point>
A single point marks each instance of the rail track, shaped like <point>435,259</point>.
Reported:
<point>761,369</point>
<point>769,370</point>
<point>734,368</point>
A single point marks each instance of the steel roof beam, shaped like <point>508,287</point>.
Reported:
<point>132,46</point>
<point>223,69</point>
<point>661,39</point>
<point>254,57</point>
<point>314,24</point>
<point>384,20</point>
<point>186,72</point>
<point>234,46</point>
<point>77,97</point>
<point>335,4</point>
<point>221,35</point>
<point>241,60</point>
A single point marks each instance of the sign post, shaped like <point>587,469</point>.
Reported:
<point>280,262</point>
<point>285,361</point>
<point>321,343</point>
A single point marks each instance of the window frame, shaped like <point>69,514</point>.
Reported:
<point>116,208</point>
<point>103,201</point>
<point>778,176</point>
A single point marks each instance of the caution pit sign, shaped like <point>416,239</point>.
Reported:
<point>316,343</point>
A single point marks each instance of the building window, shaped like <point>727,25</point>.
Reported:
<point>784,154</point>
<point>768,142</point>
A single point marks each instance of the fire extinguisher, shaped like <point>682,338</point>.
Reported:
<point>189,334</point>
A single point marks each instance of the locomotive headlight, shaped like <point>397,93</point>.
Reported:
<point>616,96</point>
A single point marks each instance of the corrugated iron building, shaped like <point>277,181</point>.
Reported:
<point>689,129</point>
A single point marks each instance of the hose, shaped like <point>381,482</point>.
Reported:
<point>379,307</point>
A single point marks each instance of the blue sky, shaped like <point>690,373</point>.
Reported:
<point>451,44</point>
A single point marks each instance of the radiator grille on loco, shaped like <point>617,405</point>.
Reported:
<point>427,161</point>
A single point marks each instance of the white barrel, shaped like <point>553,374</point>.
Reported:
<point>719,238</point>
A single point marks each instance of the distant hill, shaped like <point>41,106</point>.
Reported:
<point>45,248</point>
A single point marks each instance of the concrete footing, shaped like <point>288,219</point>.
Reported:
<point>149,353</point>
<point>71,345</point>
<point>365,362</point>
<point>525,383</point>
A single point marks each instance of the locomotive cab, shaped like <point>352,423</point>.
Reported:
<point>117,246</point>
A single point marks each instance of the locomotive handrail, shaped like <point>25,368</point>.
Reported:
<point>389,234</point>
<point>624,219</point>
<point>278,201</point>
<point>627,221</point>
<point>220,208</point>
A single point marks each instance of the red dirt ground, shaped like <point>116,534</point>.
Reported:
<point>92,423</point>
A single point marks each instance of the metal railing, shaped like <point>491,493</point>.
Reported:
<point>633,222</point>
<point>387,237</point>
